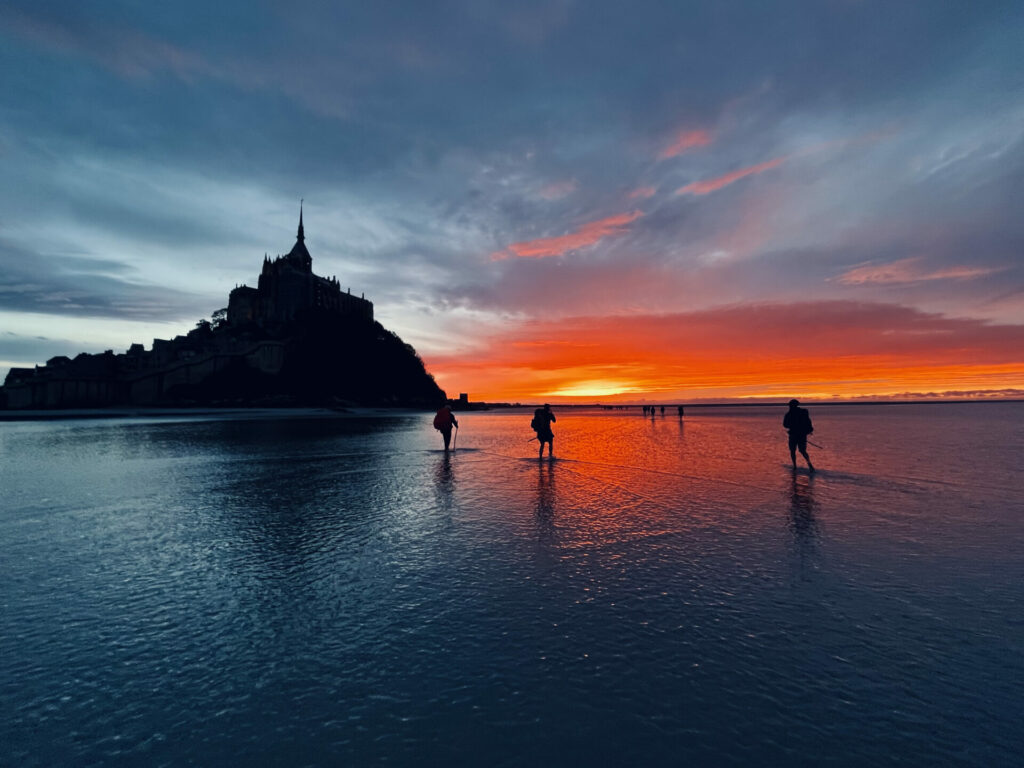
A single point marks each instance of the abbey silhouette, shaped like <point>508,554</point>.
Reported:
<point>295,339</point>
<point>287,287</point>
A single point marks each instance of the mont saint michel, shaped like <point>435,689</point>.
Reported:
<point>729,301</point>
<point>294,339</point>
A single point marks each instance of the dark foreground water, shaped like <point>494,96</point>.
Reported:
<point>335,591</point>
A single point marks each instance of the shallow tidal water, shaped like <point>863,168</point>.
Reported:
<point>322,590</point>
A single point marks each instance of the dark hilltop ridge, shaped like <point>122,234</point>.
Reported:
<point>295,340</point>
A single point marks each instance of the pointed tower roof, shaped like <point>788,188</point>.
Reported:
<point>298,252</point>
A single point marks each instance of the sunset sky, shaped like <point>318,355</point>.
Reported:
<point>670,201</point>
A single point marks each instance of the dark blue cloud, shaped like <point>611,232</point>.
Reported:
<point>42,283</point>
<point>343,90</point>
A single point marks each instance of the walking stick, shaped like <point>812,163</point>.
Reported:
<point>819,447</point>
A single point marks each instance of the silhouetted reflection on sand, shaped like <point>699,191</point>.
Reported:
<point>802,521</point>
<point>545,497</point>
<point>444,482</point>
<point>801,509</point>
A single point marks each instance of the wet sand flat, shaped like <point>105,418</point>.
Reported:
<point>324,590</point>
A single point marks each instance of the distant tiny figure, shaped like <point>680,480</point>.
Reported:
<point>444,420</point>
<point>663,410</point>
<point>680,409</point>
<point>645,411</point>
<point>543,418</point>
<point>798,422</point>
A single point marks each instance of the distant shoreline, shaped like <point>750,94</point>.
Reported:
<point>379,412</point>
<point>785,403</point>
<point>780,404</point>
<point>147,413</point>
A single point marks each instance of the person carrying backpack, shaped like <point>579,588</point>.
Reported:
<point>444,420</point>
<point>798,422</point>
<point>541,424</point>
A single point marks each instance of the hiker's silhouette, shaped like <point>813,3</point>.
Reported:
<point>798,422</point>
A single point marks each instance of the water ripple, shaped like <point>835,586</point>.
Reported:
<point>324,591</point>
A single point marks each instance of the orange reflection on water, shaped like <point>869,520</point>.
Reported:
<point>620,478</point>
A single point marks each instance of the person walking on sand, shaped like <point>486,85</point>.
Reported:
<point>444,420</point>
<point>798,422</point>
<point>543,418</point>
<point>680,412</point>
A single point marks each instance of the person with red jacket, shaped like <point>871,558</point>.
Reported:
<point>443,423</point>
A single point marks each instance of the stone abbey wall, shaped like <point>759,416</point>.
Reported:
<point>150,387</point>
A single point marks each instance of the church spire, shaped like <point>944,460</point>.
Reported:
<point>298,256</point>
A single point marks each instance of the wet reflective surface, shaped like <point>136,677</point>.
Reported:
<point>335,590</point>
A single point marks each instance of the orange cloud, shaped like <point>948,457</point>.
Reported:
<point>588,234</point>
<point>712,185</point>
<point>837,348</point>
<point>684,141</point>
<point>909,271</point>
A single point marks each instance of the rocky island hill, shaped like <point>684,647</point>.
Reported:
<point>295,339</point>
